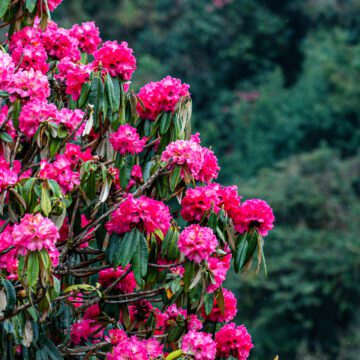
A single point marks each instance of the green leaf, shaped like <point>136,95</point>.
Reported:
<point>175,177</point>
<point>32,272</point>
<point>45,201</point>
<point>4,5</point>
<point>220,300</point>
<point>165,123</point>
<point>30,5</point>
<point>128,246</point>
<point>174,355</point>
<point>6,137</point>
<point>51,350</point>
<point>96,96</point>
<point>209,302</point>
<point>10,297</point>
<point>240,254</point>
<point>110,94</point>
<point>77,287</point>
<point>40,355</point>
<point>140,260</point>
<point>188,274</point>
<point>84,94</point>
<point>45,259</point>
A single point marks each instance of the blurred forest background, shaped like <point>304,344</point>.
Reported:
<point>276,90</point>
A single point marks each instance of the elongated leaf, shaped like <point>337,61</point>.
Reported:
<point>165,123</point>
<point>209,302</point>
<point>240,254</point>
<point>140,260</point>
<point>175,178</point>
<point>32,272</point>
<point>6,137</point>
<point>129,244</point>
<point>174,355</point>
<point>4,5</point>
<point>45,201</point>
<point>30,5</point>
<point>85,90</point>
<point>10,297</point>
<point>51,350</point>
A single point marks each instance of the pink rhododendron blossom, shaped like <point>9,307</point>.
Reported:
<point>31,57</point>
<point>192,157</point>
<point>194,324</point>
<point>117,59</point>
<point>146,213</point>
<point>160,96</point>
<point>116,336</point>
<point>75,155</point>
<point>59,43</point>
<point>29,84</point>
<point>230,308</point>
<point>60,170</point>
<point>232,340</point>
<point>201,200</point>
<point>254,213</point>
<point>136,172</point>
<point>8,176</point>
<point>153,348</point>
<point>35,233</point>
<point>7,68</point>
<point>74,75</point>
<point>85,330</point>
<point>33,114</point>
<point>219,266</point>
<point>197,242</point>
<point>8,261</point>
<point>129,349</point>
<point>52,4</point>
<point>127,140</point>
<point>126,285</point>
<point>71,119</point>
<point>199,344</point>
<point>27,36</point>
<point>87,35</point>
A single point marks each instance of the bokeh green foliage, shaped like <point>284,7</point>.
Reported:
<point>276,88</point>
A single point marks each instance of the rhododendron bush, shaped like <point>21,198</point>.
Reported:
<point>115,237</point>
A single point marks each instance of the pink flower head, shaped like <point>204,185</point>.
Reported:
<point>254,213</point>
<point>136,172</point>
<point>59,43</point>
<point>27,36</point>
<point>116,336</point>
<point>153,348</point>
<point>230,308</point>
<point>127,140</point>
<point>71,119</point>
<point>75,155</point>
<point>35,233</point>
<point>197,242</point>
<point>31,57</point>
<point>117,59</point>
<point>126,285</point>
<point>60,170</point>
<point>160,96</point>
<point>219,266</point>
<point>200,200</point>
<point>87,35</point>
<point>29,84</point>
<point>200,161</point>
<point>129,349</point>
<point>33,114</point>
<point>7,68</point>
<point>8,176</point>
<point>144,212</point>
<point>8,261</point>
<point>199,344</point>
<point>85,330</point>
<point>52,4</point>
<point>232,340</point>
<point>193,323</point>
<point>74,75</point>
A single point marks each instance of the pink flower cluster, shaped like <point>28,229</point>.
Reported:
<point>192,157</point>
<point>74,75</point>
<point>254,213</point>
<point>127,140</point>
<point>85,330</point>
<point>88,36</point>
<point>7,68</point>
<point>197,242</point>
<point>126,285</point>
<point>232,340</point>
<point>160,96</point>
<point>199,344</point>
<point>35,233</point>
<point>230,308</point>
<point>36,112</point>
<point>52,4</point>
<point>146,213</point>
<point>131,348</point>
<point>61,171</point>
<point>117,59</point>
<point>8,261</point>
<point>219,266</point>
<point>8,176</point>
<point>201,200</point>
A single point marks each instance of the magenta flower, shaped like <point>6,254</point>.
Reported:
<point>200,345</point>
<point>126,140</point>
